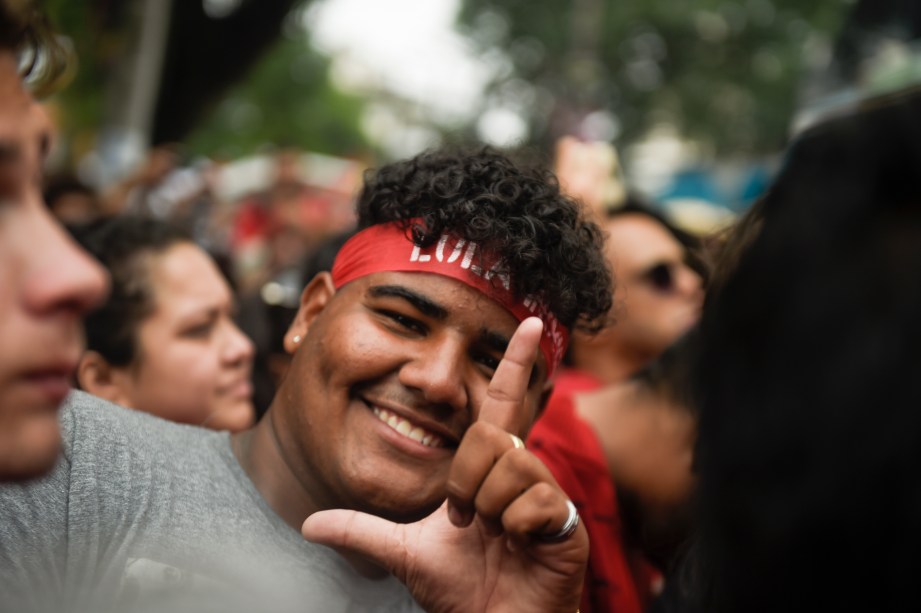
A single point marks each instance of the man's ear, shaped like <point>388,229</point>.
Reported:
<point>314,299</point>
<point>98,377</point>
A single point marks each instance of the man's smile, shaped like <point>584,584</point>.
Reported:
<point>414,424</point>
<point>408,429</point>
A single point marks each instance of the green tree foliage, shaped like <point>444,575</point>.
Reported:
<point>97,37</point>
<point>287,100</point>
<point>725,73</point>
<point>286,97</point>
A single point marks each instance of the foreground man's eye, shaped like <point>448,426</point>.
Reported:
<point>405,321</point>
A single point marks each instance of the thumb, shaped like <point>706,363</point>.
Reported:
<point>372,537</point>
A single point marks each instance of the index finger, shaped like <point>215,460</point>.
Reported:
<point>504,403</point>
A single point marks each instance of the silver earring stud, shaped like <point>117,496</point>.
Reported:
<point>296,339</point>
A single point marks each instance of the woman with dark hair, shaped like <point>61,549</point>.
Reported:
<point>165,342</point>
<point>810,434</point>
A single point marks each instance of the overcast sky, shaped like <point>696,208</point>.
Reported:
<point>409,47</point>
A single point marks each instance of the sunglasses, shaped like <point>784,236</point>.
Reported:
<point>660,277</point>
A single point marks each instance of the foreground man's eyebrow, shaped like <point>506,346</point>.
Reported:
<point>424,304</point>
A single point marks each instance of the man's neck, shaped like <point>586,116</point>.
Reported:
<point>260,454</point>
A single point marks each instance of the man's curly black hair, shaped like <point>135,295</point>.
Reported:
<point>549,247</point>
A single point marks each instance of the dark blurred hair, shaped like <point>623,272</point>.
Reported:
<point>125,246</point>
<point>733,243</point>
<point>669,374</point>
<point>26,33</point>
<point>810,433</point>
<point>323,257</point>
<point>65,185</point>
<point>549,248</point>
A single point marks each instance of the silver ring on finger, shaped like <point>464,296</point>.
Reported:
<point>569,526</point>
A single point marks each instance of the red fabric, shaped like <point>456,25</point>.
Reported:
<point>387,247</point>
<point>617,580</point>
<point>251,222</point>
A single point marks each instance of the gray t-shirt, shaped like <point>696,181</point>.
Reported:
<point>144,514</point>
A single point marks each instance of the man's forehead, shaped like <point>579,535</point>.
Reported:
<point>13,94</point>
<point>446,291</point>
<point>15,105</point>
<point>494,324</point>
<point>25,127</point>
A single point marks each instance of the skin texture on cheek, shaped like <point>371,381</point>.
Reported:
<point>355,358</point>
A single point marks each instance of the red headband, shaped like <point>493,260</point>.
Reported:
<point>386,247</point>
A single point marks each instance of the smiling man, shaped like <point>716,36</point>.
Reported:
<point>417,363</point>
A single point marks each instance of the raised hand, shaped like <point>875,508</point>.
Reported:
<point>491,545</point>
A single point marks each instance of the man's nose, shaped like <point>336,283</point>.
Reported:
<point>437,371</point>
<point>65,278</point>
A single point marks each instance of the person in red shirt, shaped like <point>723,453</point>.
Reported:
<point>614,440</point>
<point>623,453</point>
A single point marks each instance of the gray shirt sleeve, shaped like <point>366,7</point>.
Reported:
<point>33,536</point>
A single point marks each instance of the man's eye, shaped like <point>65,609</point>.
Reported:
<point>489,361</point>
<point>406,322</point>
<point>202,330</point>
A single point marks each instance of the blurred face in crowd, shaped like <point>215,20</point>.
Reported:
<point>192,364</point>
<point>46,284</point>
<point>657,296</point>
<point>391,372</point>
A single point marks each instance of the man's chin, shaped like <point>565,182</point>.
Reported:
<point>407,513</point>
<point>30,451</point>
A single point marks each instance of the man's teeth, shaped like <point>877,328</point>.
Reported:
<point>407,429</point>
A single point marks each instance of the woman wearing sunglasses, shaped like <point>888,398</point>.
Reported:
<point>657,296</point>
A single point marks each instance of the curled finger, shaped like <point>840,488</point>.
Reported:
<point>479,451</point>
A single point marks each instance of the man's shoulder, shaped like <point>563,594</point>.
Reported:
<point>105,418</point>
<point>93,426</point>
<point>131,464</point>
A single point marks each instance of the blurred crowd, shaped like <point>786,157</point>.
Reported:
<point>262,221</point>
<point>731,427</point>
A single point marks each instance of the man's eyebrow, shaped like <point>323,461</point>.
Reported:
<point>424,304</point>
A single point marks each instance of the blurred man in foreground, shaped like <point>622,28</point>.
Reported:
<point>47,282</point>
